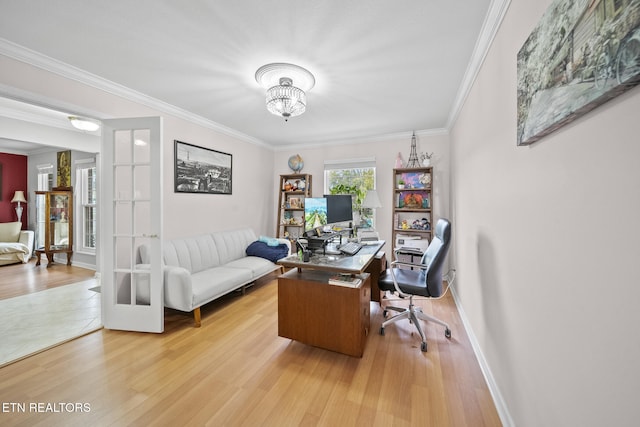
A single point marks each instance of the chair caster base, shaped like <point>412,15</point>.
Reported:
<point>423,347</point>
<point>447,333</point>
<point>382,331</point>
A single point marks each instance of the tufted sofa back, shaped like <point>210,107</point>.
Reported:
<point>206,251</point>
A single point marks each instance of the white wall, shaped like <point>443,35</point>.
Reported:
<point>546,246</point>
<point>385,152</point>
<point>250,205</point>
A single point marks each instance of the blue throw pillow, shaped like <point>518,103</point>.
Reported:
<point>271,241</point>
<point>272,253</point>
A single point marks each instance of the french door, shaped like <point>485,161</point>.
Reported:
<point>130,247</point>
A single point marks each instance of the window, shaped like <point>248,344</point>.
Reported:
<point>45,177</point>
<point>87,196</point>
<point>355,177</point>
<point>45,183</point>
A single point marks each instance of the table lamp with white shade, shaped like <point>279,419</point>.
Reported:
<point>18,197</point>
<point>371,200</point>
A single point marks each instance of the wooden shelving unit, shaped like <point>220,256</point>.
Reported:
<point>412,208</point>
<point>293,189</point>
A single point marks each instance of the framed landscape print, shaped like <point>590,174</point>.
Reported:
<point>582,54</point>
<point>201,170</point>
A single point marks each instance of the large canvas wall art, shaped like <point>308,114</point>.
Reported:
<point>201,170</point>
<point>582,54</point>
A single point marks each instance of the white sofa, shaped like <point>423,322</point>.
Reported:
<point>199,269</point>
<point>16,245</point>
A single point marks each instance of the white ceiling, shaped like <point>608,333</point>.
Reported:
<point>382,67</point>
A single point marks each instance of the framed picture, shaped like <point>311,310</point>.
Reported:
<point>294,203</point>
<point>581,55</point>
<point>416,180</point>
<point>201,170</point>
<point>64,168</point>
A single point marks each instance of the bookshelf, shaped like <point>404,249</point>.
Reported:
<point>293,189</point>
<point>412,208</point>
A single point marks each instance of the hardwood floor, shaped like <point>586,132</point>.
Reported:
<point>236,371</point>
<point>22,279</point>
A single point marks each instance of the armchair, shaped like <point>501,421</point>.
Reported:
<point>425,280</point>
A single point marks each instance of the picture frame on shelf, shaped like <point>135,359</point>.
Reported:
<point>294,203</point>
<point>202,170</point>
<point>415,180</point>
<point>413,200</point>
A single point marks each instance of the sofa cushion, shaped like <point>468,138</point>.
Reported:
<point>212,283</point>
<point>257,266</point>
<point>10,231</point>
<point>264,250</point>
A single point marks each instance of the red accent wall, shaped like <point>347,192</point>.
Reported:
<point>13,177</point>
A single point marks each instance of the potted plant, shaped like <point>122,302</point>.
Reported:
<point>426,159</point>
<point>401,184</point>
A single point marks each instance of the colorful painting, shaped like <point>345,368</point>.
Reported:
<point>582,54</point>
<point>416,180</point>
<point>413,200</point>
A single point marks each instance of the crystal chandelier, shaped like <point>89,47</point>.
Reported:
<point>283,98</point>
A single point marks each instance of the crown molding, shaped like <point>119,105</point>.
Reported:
<point>492,21</point>
<point>391,137</point>
<point>60,68</point>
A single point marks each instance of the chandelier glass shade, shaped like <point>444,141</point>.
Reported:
<point>286,100</point>
<point>286,85</point>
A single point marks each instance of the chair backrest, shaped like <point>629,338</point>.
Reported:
<point>435,256</point>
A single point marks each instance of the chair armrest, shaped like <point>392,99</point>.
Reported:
<point>27,238</point>
<point>408,264</point>
<point>286,242</point>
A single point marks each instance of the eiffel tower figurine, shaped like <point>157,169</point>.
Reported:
<point>413,161</point>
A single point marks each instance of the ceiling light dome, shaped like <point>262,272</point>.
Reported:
<point>84,124</point>
<point>286,85</point>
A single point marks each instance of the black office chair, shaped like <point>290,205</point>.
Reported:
<point>425,280</point>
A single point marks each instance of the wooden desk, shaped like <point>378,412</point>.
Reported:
<point>312,311</point>
<point>333,317</point>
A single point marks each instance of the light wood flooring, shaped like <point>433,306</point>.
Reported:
<point>22,279</point>
<point>236,371</point>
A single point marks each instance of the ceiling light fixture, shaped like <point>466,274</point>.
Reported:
<point>84,124</point>
<point>283,98</point>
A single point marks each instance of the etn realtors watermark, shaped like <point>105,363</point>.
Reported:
<point>45,407</point>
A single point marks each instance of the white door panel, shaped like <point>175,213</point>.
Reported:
<point>131,216</point>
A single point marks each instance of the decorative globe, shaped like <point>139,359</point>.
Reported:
<point>295,163</point>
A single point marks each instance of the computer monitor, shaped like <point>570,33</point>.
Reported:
<point>339,208</point>
<point>315,212</point>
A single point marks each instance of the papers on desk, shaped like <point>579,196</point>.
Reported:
<point>345,280</point>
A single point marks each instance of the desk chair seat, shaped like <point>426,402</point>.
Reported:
<point>425,280</point>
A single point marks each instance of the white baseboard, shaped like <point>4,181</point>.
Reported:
<point>61,259</point>
<point>501,406</point>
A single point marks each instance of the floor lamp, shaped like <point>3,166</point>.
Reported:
<point>18,197</point>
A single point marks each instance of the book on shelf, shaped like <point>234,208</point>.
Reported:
<point>345,280</point>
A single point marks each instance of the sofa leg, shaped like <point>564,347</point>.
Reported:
<point>196,317</point>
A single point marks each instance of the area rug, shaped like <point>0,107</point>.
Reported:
<point>32,323</point>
